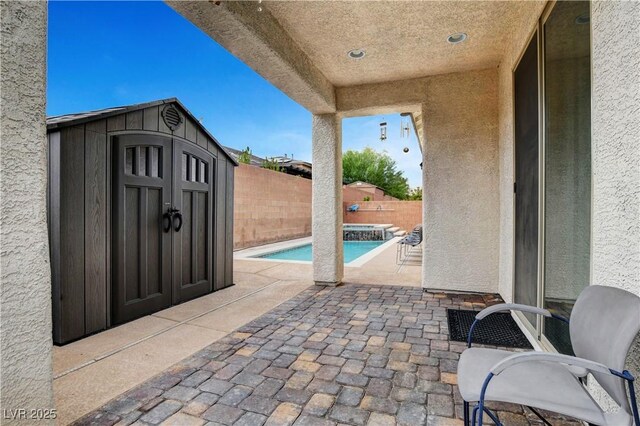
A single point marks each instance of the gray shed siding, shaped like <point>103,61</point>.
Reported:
<point>80,210</point>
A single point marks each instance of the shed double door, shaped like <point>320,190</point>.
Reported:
<point>162,224</point>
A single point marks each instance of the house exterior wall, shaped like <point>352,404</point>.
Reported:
<point>25,290</point>
<point>615,152</point>
<point>405,214</point>
<point>615,146</point>
<point>460,182</point>
<point>615,257</point>
<point>270,206</point>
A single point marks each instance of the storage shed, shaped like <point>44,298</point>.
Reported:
<point>140,214</point>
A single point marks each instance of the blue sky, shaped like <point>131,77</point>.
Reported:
<point>104,54</point>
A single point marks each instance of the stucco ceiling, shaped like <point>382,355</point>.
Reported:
<point>402,39</point>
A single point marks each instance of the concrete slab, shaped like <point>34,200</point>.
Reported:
<point>186,311</point>
<point>232,316</point>
<point>290,271</point>
<point>251,265</point>
<point>77,353</point>
<point>253,280</point>
<point>87,388</point>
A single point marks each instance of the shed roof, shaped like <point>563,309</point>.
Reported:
<point>65,120</point>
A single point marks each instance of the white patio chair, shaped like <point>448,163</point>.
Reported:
<point>603,325</point>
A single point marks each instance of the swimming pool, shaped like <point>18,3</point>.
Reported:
<point>352,251</point>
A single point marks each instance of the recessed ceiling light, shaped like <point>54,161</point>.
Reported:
<point>357,53</point>
<point>457,38</point>
<point>582,19</point>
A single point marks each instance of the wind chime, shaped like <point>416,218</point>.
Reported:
<point>383,131</point>
<point>405,128</point>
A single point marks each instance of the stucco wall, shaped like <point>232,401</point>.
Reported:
<point>616,146</point>
<point>25,292</point>
<point>269,206</point>
<point>615,150</point>
<point>615,226</point>
<point>405,214</point>
<point>460,175</point>
<point>519,40</point>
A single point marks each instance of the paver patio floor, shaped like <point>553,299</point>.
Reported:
<point>355,354</point>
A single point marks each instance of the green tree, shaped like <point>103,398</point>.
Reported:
<point>415,194</point>
<point>245,156</point>
<point>375,168</point>
<point>272,164</point>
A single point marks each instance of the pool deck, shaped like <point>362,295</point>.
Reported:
<point>255,253</point>
<point>376,267</point>
<point>92,371</point>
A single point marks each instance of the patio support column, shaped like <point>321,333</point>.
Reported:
<point>425,205</point>
<point>25,288</point>
<point>328,264</point>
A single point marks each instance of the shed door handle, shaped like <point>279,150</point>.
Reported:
<point>166,221</point>
<point>177,215</point>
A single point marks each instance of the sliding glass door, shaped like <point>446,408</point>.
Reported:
<point>552,113</point>
<point>567,162</point>
<point>526,192</point>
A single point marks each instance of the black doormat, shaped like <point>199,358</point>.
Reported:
<point>497,329</point>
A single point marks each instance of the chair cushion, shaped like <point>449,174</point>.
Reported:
<point>544,385</point>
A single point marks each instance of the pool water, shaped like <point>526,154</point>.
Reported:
<point>352,251</point>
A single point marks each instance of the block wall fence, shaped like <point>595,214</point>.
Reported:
<point>405,214</point>
<point>269,206</point>
<point>355,195</point>
<point>272,206</point>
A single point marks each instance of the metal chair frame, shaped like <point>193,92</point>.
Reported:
<point>476,418</point>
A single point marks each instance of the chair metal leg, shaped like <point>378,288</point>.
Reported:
<point>473,415</point>
<point>465,415</point>
<point>534,411</point>
<point>632,395</point>
<point>492,416</point>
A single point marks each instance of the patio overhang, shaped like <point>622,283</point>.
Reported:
<point>409,66</point>
<point>260,41</point>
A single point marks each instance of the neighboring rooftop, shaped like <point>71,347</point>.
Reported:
<point>361,184</point>
<point>254,160</point>
<point>288,164</point>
